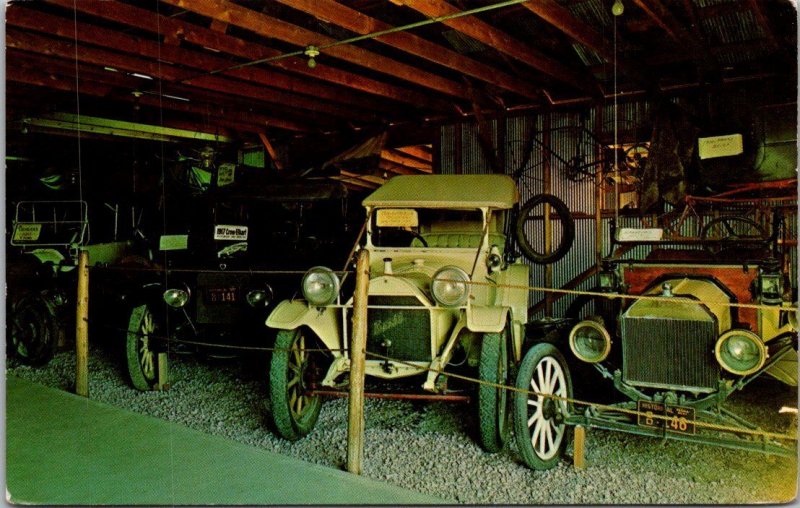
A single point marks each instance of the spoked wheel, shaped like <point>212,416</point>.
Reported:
<point>291,376</point>
<point>493,401</point>
<point>539,427</point>
<point>731,231</point>
<point>529,228</point>
<point>140,350</point>
<point>33,333</point>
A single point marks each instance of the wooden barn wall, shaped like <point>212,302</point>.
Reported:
<point>461,153</point>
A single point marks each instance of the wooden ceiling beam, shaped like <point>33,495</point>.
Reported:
<point>16,38</point>
<point>400,158</point>
<point>204,37</point>
<point>62,27</point>
<point>34,78</point>
<point>205,103</point>
<point>242,120</point>
<point>274,28</point>
<point>420,152</point>
<point>763,22</point>
<point>362,24</point>
<point>662,16</point>
<point>562,19</point>
<point>398,169</point>
<point>501,41</point>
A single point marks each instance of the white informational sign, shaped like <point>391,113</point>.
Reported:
<point>720,146</point>
<point>397,218</point>
<point>228,232</point>
<point>639,234</point>
<point>173,242</point>
<point>225,174</point>
<point>27,232</point>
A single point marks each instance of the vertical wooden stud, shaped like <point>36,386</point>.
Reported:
<point>358,351</point>
<point>82,328</point>
<point>548,226</point>
<point>163,372</point>
<point>579,446</point>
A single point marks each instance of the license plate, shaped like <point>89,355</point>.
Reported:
<point>678,419</point>
<point>223,295</point>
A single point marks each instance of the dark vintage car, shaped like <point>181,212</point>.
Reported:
<point>225,256</point>
<point>50,224</point>
<point>689,327</point>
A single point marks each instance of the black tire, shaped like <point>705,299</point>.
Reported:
<point>294,410</point>
<point>493,418</point>
<point>538,418</point>
<point>140,349</point>
<point>526,214</point>
<point>33,330</point>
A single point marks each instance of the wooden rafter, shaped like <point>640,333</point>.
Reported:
<point>562,19</point>
<point>682,37</point>
<point>501,41</point>
<point>89,34</point>
<point>762,21</point>
<point>273,154</point>
<point>268,26</point>
<point>180,30</point>
<point>362,24</point>
<point>422,153</point>
<point>67,49</point>
<point>232,118</point>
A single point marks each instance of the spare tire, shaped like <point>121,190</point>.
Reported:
<point>527,213</point>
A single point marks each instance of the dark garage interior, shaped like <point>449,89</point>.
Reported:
<point>410,251</point>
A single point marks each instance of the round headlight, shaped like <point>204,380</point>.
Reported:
<point>740,352</point>
<point>450,286</point>
<point>320,286</point>
<point>176,297</point>
<point>259,297</point>
<point>590,341</point>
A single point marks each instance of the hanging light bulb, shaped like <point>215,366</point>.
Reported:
<point>618,8</point>
<point>311,52</point>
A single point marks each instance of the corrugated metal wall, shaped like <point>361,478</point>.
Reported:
<point>566,141</point>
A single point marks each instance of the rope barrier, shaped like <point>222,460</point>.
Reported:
<point>476,381</point>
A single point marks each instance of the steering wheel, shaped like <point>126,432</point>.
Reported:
<point>417,236</point>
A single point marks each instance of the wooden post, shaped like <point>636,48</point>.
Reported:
<point>358,350</point>
<point>548,226</point>
<point>579,447</point>
<point>82,328</point>
<point>163,375</point>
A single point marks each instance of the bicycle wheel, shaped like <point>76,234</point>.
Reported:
<point>733,232</point>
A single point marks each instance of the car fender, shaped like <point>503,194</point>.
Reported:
<point>513,291</point>
<point>324,321</point>
<point>485,319</point>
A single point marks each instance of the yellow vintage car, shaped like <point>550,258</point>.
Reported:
<point>437,246</point>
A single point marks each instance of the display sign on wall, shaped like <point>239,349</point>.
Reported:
<point>720,146</point>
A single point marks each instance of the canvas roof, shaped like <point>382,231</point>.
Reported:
<point>446,191</point>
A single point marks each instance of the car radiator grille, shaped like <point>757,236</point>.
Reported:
<point>669,353</point>
<point>408,331</point>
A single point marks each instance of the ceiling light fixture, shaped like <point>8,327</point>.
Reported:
<point>311,52</point>
<point>618,8</point>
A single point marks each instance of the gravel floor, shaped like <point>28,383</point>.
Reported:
<point>430,448</point>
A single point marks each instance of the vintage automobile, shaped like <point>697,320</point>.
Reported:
<point>675,354</point>
<point>46,239</point>
<point>437,244</point>
<point>221,264</point>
